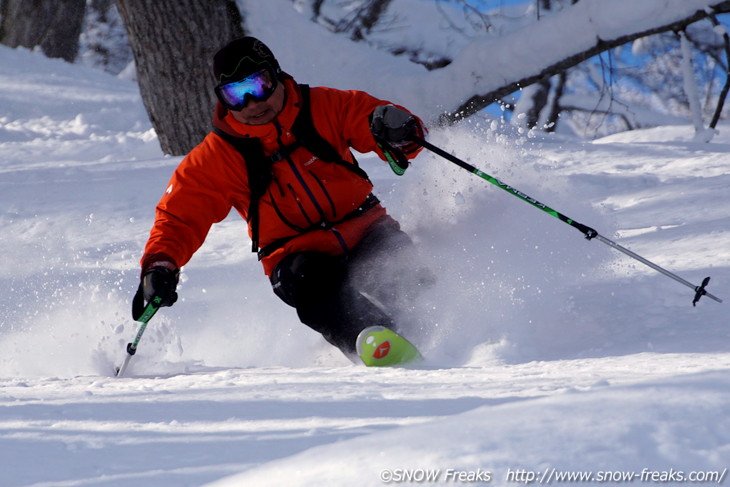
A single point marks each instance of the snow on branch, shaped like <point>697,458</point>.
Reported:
<point>490,69</point>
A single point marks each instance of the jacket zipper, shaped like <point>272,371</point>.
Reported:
<point>299,177</point>
<point>308,190</point>
<point>299,204</point>
<point>326,193</point>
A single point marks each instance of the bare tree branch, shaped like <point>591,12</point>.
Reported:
<point>364,19</point>
<point>592,111</point>
<point>478,102</point>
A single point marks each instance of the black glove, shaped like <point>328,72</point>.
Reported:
<point>157,281</point>
<point>392,128</point>
<point>393,125</point>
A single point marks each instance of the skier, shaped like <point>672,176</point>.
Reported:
<point>279,153</point>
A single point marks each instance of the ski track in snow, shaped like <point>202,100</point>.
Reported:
<point>544,351</point>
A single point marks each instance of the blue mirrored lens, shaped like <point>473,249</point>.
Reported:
<point>258,86</point>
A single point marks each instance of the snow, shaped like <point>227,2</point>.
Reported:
<point>546,353</point>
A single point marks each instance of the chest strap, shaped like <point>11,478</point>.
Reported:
<point>370,202</point>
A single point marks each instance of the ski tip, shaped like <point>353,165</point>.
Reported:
<point>379,346</point>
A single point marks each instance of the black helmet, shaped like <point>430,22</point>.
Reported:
<point>241,58</point>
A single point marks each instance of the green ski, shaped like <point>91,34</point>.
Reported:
<point>379,346</point>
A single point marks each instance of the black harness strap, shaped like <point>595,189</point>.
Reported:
<point>303,129</point>
<point>370,202</point>
<point>259,170</point>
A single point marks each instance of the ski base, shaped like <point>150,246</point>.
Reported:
<point>379,346</point>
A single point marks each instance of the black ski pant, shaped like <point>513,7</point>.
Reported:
<point>339,296</point>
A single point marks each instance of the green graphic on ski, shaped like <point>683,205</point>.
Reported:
<point>379,346</point>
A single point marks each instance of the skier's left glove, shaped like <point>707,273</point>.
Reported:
<point>392,128</point>
<point>160,279</point>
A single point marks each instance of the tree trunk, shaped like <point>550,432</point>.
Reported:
<point>173,42</point>
<point>551,121</point>
<point>316,8</point>
<point>726,86</point>
<point>538,103</point>
<point>54,25</point>
<point>690,83</point>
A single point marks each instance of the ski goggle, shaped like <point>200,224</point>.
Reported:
<point>258,86</point>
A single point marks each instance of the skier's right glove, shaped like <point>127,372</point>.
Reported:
<point>392,128</point>
<point>159,280</point>
<point>393,125</point>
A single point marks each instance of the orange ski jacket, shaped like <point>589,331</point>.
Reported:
<point>305,191</point>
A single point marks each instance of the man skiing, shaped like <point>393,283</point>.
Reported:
<point>280,155</point>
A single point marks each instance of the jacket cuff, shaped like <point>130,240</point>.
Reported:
<point>159,259</point>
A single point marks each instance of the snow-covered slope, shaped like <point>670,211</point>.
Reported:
<point>546,353</point>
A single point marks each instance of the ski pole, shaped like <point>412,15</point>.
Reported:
<point>588,232</point>
<point>148,313</point>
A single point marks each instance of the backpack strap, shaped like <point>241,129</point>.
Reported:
<point>258,169</point>
<point>303,129</point>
